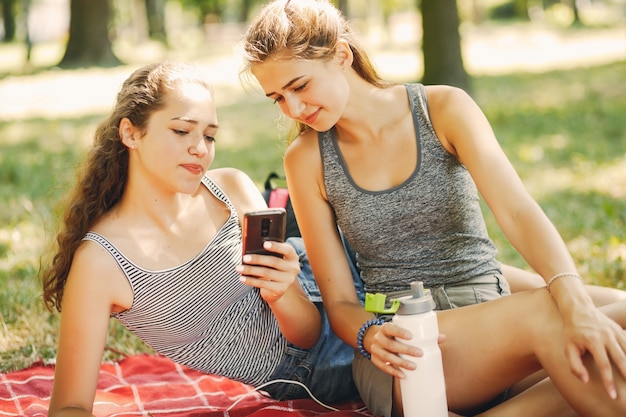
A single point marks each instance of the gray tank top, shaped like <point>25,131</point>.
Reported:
<point>429,228</point>
<point>199,314</point>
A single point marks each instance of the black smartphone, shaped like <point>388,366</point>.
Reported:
<point>260,226</point>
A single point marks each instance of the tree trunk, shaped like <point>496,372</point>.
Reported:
<point>441,44</point>
<point>521,9</point>
<point>89,43</point>
<point>244,10</point>
<point>155,11</point>
<point>342,5</point>
<point>576,12</point>
<point>8,18</point>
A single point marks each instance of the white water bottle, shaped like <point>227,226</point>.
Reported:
<point>423,389</point>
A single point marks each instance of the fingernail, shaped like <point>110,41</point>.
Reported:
<point>242,278</point>
<point>247,258</point>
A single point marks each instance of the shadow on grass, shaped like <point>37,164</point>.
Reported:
<point>566,116</point>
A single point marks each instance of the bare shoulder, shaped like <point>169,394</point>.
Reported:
<point>95,271</point>
<point>304,149</point>
<point>444,97</point>
<point>453,113</point>
<point>92,257</point>
<point>303,167</point>
<point>229,177</point>
<point>239,188</point>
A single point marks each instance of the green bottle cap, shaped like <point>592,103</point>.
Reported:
<point>376,303</point>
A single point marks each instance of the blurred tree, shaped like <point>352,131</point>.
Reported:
<point>88,43</point>
<point>222,10</point>
<point>206,8</point>
<point>27,40</point>
<point>511,9</point>
<point>246,5</point>
<point>155,11</point>
<point>388,7</point>
<point>477,12</point>
<point>9,8</point>
<point>343,6</point>
<point>441,44</point>
<point>574,5</point>
<point>521,8</point>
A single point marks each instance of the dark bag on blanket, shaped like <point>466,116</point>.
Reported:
<point>276,196</point>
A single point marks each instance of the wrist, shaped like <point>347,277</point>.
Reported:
<point>568,291</point>
<point>361,335</point>
<point>562,276</point>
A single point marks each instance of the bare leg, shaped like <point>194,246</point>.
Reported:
<point>493,345</point>
<point>595,401</point>
<point>521,280</point>
<point>603,296</point>
<point>541,400</point>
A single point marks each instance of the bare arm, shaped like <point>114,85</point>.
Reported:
<point>522,280</point>
<point>466,133</point>
<point>321,237</point>
<point>297,316</point>
<point>91,291</point>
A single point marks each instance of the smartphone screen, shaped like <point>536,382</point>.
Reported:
<point>263,225</point>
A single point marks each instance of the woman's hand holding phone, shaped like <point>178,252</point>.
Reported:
<point>273,275</point>
<point>268,263</point>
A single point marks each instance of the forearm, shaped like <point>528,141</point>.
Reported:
<point>346,319</point>
<point>538,241</point>
<point>297,317</point>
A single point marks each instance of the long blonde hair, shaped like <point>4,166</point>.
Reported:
<point>304,29</point>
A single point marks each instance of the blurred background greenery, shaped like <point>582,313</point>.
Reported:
<point>550,75</point>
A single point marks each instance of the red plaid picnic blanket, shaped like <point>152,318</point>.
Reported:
<point>149,385</point>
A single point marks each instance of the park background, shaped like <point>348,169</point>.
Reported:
<point>551,78</point>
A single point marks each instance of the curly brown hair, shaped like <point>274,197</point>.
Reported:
<point>303,29</point>
<point>101,179</point>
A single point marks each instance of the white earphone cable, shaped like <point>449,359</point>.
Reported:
<point>300,384</point>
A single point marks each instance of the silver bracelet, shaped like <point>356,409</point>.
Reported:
<point>561,275</point>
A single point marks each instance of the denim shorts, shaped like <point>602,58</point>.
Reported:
<point>326,368</point>
<point>375,386</point>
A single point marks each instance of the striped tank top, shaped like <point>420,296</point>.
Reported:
<point>429,228</point>
<point>199,314</point>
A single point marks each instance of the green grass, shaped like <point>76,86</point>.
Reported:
<point>37,165</point>
<point>564,131</point>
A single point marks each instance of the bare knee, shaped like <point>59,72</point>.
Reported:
<point>543,316</point>
<point>597,402</point>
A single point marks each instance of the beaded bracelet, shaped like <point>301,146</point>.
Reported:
<point>359,337</point>
<point>561,275</point>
